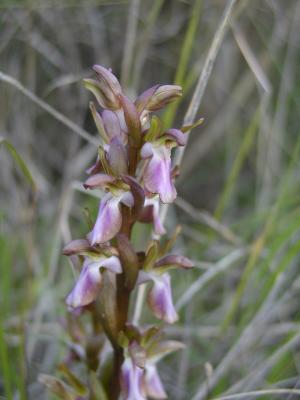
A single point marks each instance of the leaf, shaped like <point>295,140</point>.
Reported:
<point>188,128</point>
<point>72,379</point>
<point>19,160</point>
<point>57,387</point>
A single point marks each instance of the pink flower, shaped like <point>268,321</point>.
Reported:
<point>150,213</point>
<point>109,219</point>
<point>152,383</point>
<point>160,295</point>
<point>160,299</point>
<point>157,174</point>
<point>132,380</point>
<point>89,281</point>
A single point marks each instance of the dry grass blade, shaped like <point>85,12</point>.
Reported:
<point>205,218</point>
<point>259,393</point>
<point>195,103</point>
<point>206,71</point>
<point>223,265</point>
<point>203,80</point>
<point>130,41</point>
<point>49,109</point>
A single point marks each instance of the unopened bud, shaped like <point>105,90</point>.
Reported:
<point>132,119</point>
<point>106,89</point>
<point>164,95</point>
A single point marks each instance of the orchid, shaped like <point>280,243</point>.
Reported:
<point>134,174</point>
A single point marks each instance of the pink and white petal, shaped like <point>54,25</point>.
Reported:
<point>98,181</point>
<point>157,175</point>
<point>158,226</point>
<point>152,383</point>
<point>111,124</point>
<point>127,199</point>
<point>147,150</point>
<point>131,381</point>
<point>160,299</point>
<point>112,264</point>
<point>121,117</point>
<point>143,277</point>
<point>87,286</point>
<point>109,220</point>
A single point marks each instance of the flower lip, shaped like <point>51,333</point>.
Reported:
<point>160,299</point>
<point>89,281</point>
<point>109,220</point>
<point>153,385</point>
<point>132,380</point>
<point>157,174</point>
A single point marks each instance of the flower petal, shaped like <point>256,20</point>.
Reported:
<point>131,381</point>
<point>158,226</point>
<point>153,385</point>
<point>176,135</point>
<point>160,299</point>
<point>111,123</point>
<point>157,174</point>
<point>173,260</point>
<point>112,264</point>
<point>98,181</point>
<point>109,220</point>
<point>86,287</point>
<point>117,156</point>
<point>147,150</point>
<point>127,199</point>
<point>76,246</point>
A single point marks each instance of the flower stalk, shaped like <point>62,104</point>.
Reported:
<point>134,168</point>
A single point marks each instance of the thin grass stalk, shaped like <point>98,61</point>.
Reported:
<point>243,152</point>
<point>259,243</point>
<point>143,45</point>
<point>196,101</point>
<point>49,109</point>
<point>259,393</point>
<point>130,41</point>
<point>184,58</point>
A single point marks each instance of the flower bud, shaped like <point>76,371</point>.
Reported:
<point>99,122</point>
<point>163,95</point>
<point>129,260</point>
<point>132,120</point>
<point>111,124</point>
<point>117,157</point>
<point>106,89</point>
<point>142,101</point>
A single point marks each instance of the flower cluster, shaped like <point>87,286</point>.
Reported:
<point>134,170</point>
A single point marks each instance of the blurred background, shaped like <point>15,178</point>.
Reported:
<point>238,191</point>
